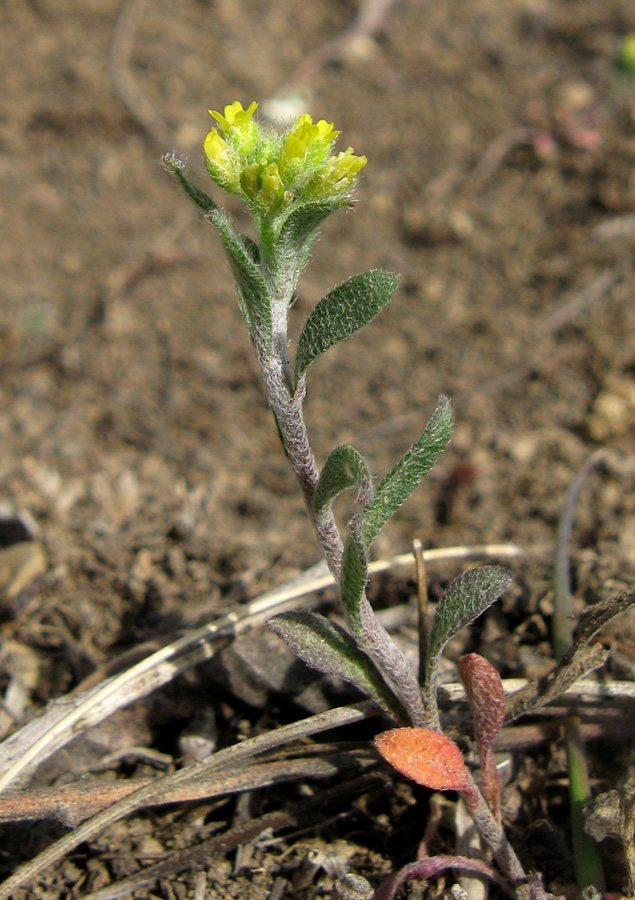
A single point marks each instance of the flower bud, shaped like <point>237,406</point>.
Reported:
<point>223,163</point>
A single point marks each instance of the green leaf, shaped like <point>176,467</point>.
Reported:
<point>325,646</point>
<point>299,229</point>
<point>177,167</point>
<point>242,252</point>
<point>252,290</point>
<point>344,468</point>
<point>401,481</point>
<point>342,312</point>
<point>353,581</point>
<point>462,602</point>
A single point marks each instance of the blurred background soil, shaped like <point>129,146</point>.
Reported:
<point>134,431</point>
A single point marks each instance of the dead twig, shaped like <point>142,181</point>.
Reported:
<point>71,804</point>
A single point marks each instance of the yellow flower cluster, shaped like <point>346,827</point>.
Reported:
<point>272,171</point>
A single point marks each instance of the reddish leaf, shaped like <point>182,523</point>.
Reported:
<point>485,695</point>
<point>425,756</point>
<point>431,868</point>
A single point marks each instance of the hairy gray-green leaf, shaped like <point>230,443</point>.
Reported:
<point>401,481</point>
<point>177,167</point>
<point>325,646</point>
<point>344,468</point>
<point>342,312</point>
<point>353,580</point>
<point>299,230</point>
<point>462,602</point>
<point>252,291</point>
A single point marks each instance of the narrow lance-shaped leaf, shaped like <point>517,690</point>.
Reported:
<point>463,601</point>
<point>401,481</point>
<point>242,252</point>
<point>485,695</point>
<point>176,166</point>
<point>252,291</point>
<point>353,580</point>
<point>342,312</point>
<point>344,468</point>
<point>325,646</point>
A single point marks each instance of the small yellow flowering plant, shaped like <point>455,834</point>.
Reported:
<point>275,173</point>
<point>290,183</point>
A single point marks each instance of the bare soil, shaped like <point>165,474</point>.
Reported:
<point>136,435</point>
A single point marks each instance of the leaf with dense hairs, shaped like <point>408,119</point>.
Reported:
<point>325,646</point>
<point>342,312</point>
<point>300,229</point>
<point>401,481</point>
<point>486,699</point>
<point>425,756</point>
<point>345,468</point>
<point>462,602</point>
<point>252,291</point>
<point>177,167</point>
<point>353,581</point>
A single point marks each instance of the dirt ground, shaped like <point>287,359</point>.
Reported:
<point>136,439</point>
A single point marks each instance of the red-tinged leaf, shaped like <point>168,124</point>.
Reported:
<point>485,696</point>
<point>425,756</point>
<point>432,868</point>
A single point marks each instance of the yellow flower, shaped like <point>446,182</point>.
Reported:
<point>223,163</point>
<point>345,166</point>
<point>235,116</point>
<point>337,175</point>
<point>306,146</point>
<point>272,171</point>
<point>236,126</point>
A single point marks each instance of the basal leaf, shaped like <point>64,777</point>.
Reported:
<point>401,481</point>
<point>486,699</point>
<point>252,291</point>
<point>485,696</point>
<point>425,756</point>
<point>342,312</point>
<point>462,602</point>
<point>325,646</point>
<point>344,468</point>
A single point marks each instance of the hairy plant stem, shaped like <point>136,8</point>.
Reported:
<point>287,409</point>
<point>492,832</point>
<point>288,412</point>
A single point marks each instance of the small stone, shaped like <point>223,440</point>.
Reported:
<point>613,412</point>
<point>352,887</point>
